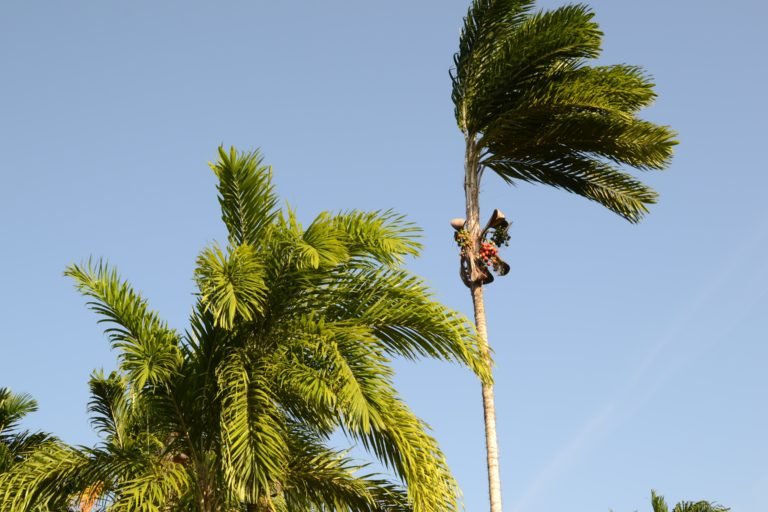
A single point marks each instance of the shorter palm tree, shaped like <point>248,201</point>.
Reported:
<point>290,340</point>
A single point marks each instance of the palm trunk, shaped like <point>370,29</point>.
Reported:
<point>472,194</point>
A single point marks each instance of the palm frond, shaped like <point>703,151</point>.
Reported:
<point>400,310</point>
<point>329,480</point>
<point>152,490</point>
<point>148,349</point>
<point>403,444</point>
<point>328,370</point>
<point>589,178</point>
<point>383,236</point>
<point>486,23</point>
<point>252,430</point>
<point>109,406</point>
<point>621,90</point>
<point>43,481</point>
<point>231,284</point>
<point>246,195</point>
<point>13,407</point>
<point>660,505</point>
<point>555,129</point>
<point>541,41</point>
<point>321,245</point>
<point>289,340</point>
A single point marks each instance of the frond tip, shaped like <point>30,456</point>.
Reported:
<point>246,195</point>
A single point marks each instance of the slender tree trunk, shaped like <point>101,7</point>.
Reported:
<point>472,194</point>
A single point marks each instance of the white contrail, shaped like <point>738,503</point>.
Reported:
<point>638,389</point>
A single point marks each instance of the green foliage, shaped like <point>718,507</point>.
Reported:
<point>526,97</point>
<point>660,505</point>
<point>290,340</point>
<point>15,444</point>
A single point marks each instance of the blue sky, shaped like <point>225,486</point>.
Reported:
<point>628,357</point>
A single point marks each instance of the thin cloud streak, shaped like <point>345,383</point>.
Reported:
<point>639,389</point>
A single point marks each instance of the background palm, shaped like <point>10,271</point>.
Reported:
<point>14,442</point>
<point>289,342</point>
<point>659,505</point>
<point>532,109</point>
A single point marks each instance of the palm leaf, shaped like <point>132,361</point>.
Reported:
<point>148,349</point>
<point>246,195</point>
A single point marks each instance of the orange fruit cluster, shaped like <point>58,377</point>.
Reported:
<point>488,251</point>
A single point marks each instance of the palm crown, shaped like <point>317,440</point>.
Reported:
<point>533,110</point>
<point>290,340</point>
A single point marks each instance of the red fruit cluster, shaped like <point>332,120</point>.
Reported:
<point>488,251</point>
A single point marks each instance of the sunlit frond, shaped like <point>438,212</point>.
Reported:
<point>403,315</point>
<point>329,480</point>
<point>252,430</point>
<point>109,406</point>
<point>148,349</point>
<point>246,195</point>
<point>403,444</point>
<point>13,407</point>
<point>45,480</point>
<point>152,490</point>
<point>595,180</point>
<point>383,236</point>
<point>231,284</point>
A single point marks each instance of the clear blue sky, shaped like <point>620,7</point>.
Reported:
<point>628,357</point>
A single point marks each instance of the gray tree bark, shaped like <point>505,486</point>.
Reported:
<point>472,195</point>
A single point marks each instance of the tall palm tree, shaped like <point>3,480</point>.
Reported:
<point>289,341</point>
<point>659,505</point>
<point>532,109</point>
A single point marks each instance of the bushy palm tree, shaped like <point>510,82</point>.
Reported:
<point>14,442</point>
<point>533,109</point>
<point>659,505</point>
<point>290,340</point>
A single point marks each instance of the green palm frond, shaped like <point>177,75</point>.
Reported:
<point>698,506</point>
<point>109,406</point>
<point>403,444</point>
<point>43,481</point>
<point>402,314</point>
<point>620,89</point>
<point>150,491</point>
<point>553,130</point>
<point>510,59</point>
<point>231,284</point>
<point>329,370</point>
<point>252,429</point>
<point>329,480</point>
<point>381,236</point>
<point>660,505</point>
<point>589,178</point>
<point>247,198</point>
<point>13,407</point>
<point>148,349</point>
<point>320,245</point>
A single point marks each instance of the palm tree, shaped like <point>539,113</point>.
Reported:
<point>16,443</point>
<point>289,341</point>
<point>532,109</point>
<point>659,505</point>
